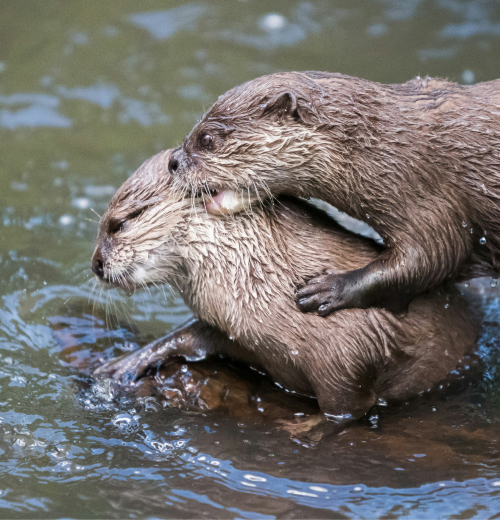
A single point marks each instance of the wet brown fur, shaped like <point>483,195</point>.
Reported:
<point>419,162</point>
<point>237,274</point>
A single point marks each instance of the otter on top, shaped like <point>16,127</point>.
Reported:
<point>418,161</point>
<point>237,273</point>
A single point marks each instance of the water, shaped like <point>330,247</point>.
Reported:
<point>88,90</point>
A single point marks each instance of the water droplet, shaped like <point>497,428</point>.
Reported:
<point>184,369</point>
<point>446,305</point>
<point>381,401</point>
<point>260,409</point>
<point>466,284</point>
<point>294,352</point>
<point>231,338</point>
<point>434,409</point>
<point>367,216</point>
<point>464,224</point>
<point>482,241</point>
<point>494,282</point>
<point>472,230</point>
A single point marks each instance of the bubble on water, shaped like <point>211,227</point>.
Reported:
<point>494,282</point>
<point>162,447</point>
<point>357,488</point>
<point>126,422</point>
<point>66,220</point>
<point>482,241</point>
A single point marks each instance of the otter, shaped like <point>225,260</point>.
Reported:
<point>418,161</point>
<point>236,274</point>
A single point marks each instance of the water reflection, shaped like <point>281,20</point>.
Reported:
<point>31,110</point>
<point>164,24</point>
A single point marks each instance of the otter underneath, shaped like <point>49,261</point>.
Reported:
<point>237,273</point>
<point>419,162</point>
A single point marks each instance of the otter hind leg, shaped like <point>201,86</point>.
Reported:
<point>193,342</point>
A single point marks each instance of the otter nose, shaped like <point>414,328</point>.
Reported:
<point>173,164</point>
<point>98,264</point>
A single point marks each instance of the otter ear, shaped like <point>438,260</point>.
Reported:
<point>282,105</point>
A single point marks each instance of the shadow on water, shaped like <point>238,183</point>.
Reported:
<point>88,90</point>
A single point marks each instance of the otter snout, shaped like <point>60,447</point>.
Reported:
<point>177,161</point>
<point>173,164</point>
<point>98,264</point>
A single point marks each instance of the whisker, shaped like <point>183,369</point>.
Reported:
<point>92,209</point>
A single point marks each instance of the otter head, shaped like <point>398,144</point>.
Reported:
<point>135,232</point>
<point>256,140</point>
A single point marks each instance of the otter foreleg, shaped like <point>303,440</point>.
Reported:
<point>392,280</point>
<point>193,342</point>
<point>362,288</point>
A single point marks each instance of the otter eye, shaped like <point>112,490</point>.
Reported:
<point>206,140</point>
<point>115,226</point>
<point>119,225</point>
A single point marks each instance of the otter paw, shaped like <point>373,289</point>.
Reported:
<point>125,370</point>
<point>326,294</point>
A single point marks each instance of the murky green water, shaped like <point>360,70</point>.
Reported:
<point>88,90</point>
